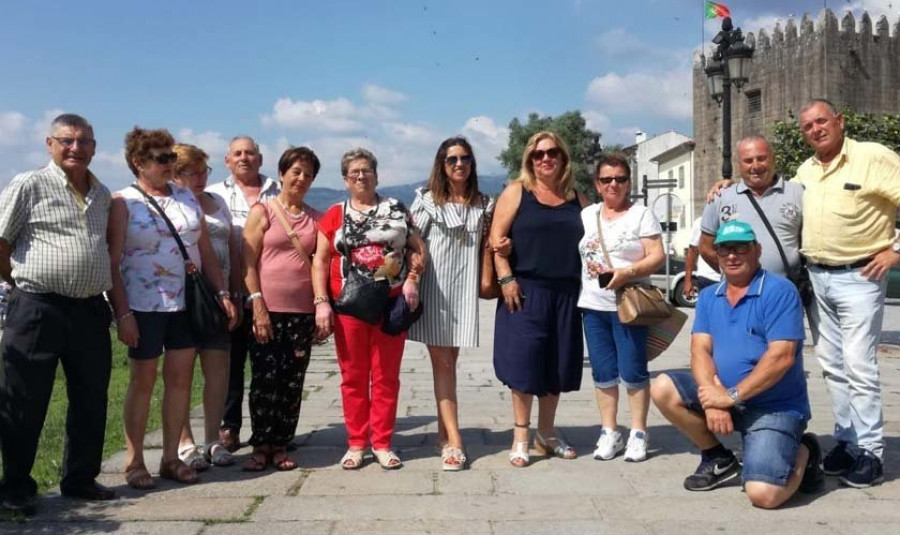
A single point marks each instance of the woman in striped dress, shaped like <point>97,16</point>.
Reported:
<point>450,213</point>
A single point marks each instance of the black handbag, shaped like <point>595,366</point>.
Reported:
<point>798,274</point>
<point>362,297</point>
<point>398,317</point>
<point>206,315</point>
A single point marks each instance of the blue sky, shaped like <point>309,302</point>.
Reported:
<point>396,77</point>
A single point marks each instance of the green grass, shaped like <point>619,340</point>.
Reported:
<point>47,465</point>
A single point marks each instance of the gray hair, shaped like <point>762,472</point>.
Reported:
<point>356,154</point>
<point>72,121</point>
<point>828,104</point>
<point>752,139</point>
<point>240,138</point>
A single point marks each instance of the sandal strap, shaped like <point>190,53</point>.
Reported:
<point>520,451</point>
<point>526,425</point>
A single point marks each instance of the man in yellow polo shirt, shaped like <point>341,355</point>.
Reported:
<point>852,190</point>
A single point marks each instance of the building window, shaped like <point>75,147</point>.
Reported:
<point>754,101</point>
<point>680,176</point>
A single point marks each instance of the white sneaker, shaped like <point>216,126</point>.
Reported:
<point>636,451</point>
<point>609,445</point>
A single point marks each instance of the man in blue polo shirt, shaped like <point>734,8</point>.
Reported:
<point>746,376</point>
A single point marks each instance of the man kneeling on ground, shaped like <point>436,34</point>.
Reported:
<point>746,376</point>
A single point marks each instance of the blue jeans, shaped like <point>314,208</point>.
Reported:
<point>851,309</point>
<point>616,351</point>
<point>770,438</point>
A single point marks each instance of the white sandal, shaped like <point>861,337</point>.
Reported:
<point>518,456</point>
<point>387,459</point>
<point>192,455</point>
<point>453,459</point>
<point>352,460</point>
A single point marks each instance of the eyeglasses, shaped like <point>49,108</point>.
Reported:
<point>191,174</point>
<point>69,142</point>
<point>360,173</point>
<point>619,179</point>
<point>538,155</point>
<point>453,160</point>
<point>736,248</point>
<point>164,158</point>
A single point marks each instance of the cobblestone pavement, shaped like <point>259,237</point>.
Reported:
<point>551,496</point>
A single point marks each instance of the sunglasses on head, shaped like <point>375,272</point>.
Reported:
<point>619,179</point>
<point>164,158</point>
<point>539,154</point>
<point>453,160</point>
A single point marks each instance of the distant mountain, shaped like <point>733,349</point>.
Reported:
<point>322,198</point>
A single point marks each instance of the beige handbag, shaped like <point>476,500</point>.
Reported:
<point>638,303</point>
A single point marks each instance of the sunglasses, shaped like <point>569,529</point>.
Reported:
<point>453,160</point>
<point>164,158</point>
<point>736,248</point>
<point>538,155</point>
<point>608,179</point>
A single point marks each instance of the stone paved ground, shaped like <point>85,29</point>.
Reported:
<point>552,496</point>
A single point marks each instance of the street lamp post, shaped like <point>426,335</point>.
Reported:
<point>729,65</point>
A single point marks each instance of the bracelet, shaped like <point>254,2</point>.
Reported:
<point>632,271</point>
<point>254,296</point>
<point>506,280</point>
<point>125,315</point>
<point>319,300</point>
<point>412,277</point>
<point>224,294</point>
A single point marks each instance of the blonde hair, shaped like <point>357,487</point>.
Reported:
<point>566,185</point>
<point>188,156</point>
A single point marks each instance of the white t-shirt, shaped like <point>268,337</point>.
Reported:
<point>703,269</point>
<point>623,242</point>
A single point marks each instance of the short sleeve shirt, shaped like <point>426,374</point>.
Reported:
<point>782,203</point>
<point>703,269</point>
<point>623,242</point>
<point>376,239</point>
<point>769,311</point>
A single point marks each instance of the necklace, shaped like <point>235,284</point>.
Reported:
<point>290,214</point>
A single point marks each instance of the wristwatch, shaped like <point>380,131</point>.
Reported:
<point>735,397</point>
<point>895,247</point>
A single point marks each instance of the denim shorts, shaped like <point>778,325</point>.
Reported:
<point>616,351</point>
<point>770,438</point>
<point>161,331</point>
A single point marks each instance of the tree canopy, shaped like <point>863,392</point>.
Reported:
<point>584,145</point>
<point>791,150</point>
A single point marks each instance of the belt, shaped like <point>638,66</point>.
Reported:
<point>57,299</point>
<point>842,267</point>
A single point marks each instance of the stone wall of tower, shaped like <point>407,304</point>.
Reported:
<point>847,62</point>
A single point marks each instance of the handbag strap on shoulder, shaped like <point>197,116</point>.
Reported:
<point>768,225</point>
<point>295,240</point>
<point>602,241</point>
<point>162,214</point>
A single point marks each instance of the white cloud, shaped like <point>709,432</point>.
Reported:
<point>336,116</point>
<point>410,133</point>
<point>213,143</point>
<point>41,127</point>
<point>12,124</point>
<point>375,94</point>
<point>667,94</point>
<point>596,121</point>
<point>488,139</point>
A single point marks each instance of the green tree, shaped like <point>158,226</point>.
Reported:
<point>584,145</point>
<point>791,149</point>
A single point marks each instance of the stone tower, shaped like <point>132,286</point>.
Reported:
<point>848,63</point>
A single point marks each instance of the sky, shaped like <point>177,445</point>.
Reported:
<point>395,77</point>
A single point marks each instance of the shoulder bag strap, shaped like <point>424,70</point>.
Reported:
<point>602,241</point>
<point>273,205</point>
<point>345,265</point>
<point>162,214</point>
<point>768,225</point>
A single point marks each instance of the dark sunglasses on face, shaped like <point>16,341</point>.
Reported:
<point>453,160</point>
<point>619,179</point>
<point>538,155</point>
<point>164,158</point>
<point>736,248</point>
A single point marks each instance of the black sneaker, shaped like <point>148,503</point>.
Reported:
<point>813,478</point>
<point>838,460</point>
<point>867,471</point>
<point>711,474</point>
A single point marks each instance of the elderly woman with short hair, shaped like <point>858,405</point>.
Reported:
<point>148,296</point>
<point>379,235</point>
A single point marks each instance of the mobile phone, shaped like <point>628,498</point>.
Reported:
<point>604,278</point>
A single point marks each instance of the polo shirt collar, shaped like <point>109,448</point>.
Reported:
<point>756,285</point>
<point>265,183</point>
<point>778,185</point>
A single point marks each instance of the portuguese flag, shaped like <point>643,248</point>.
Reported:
<point>714,10</point>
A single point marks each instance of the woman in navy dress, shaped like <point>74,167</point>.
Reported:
<point>538,349</point>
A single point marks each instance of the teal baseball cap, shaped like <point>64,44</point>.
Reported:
<point>735,231</point>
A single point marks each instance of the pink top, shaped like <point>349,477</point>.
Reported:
<point>284,279</point>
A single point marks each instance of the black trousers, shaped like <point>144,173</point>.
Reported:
<point>41,331</point>
<point>240,340</point>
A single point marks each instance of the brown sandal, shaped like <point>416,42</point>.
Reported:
<point>176,470</point>
<point>137,477</point>
<point>258,460</point>
<point>282,460</point>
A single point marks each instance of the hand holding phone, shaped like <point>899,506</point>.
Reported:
<point>604,278</point>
